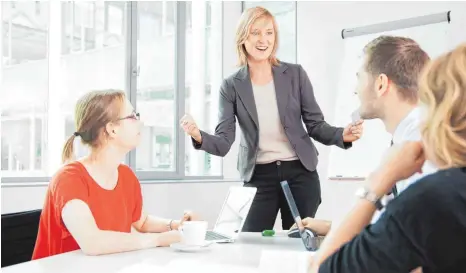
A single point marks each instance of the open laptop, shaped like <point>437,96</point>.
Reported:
<point>310,241</point>
<point>234,211</point>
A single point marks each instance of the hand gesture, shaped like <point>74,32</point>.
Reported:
<point>190,127</point>
<point>353,131</point>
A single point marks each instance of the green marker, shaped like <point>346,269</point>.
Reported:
<point>268,233</point>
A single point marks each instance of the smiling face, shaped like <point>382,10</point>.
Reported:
<point>371,90</point>
<point>389,75</point>
<point>366,94</point>
<point>260,43</point>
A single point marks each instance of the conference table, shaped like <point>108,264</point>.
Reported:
<point>251,252</point>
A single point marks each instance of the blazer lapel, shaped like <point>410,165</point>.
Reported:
<point>243,87</point>
<point>283,87</point>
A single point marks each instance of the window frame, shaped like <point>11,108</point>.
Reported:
<point>131,74</point>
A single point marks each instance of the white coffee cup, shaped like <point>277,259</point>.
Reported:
<point>193,232</point>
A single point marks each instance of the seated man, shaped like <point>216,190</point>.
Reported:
<point>397,107</point>
<point>425,227</point>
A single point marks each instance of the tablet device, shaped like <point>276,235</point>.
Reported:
<point>310,241</point>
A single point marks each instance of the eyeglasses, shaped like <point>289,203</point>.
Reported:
<point>134,115</point>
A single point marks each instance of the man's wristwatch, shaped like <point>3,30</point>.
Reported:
<point>365,193</point>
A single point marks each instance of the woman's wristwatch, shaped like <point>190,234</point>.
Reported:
<point>367,194</point>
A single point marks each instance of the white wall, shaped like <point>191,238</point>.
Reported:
<point>320,50</point>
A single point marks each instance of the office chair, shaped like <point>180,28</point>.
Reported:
<point>19,233</point>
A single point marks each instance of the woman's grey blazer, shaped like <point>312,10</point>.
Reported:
<point>296,104</point>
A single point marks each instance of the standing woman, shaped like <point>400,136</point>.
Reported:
<point>271,100</point>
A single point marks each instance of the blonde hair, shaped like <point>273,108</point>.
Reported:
<point>443,90</point>
<point>92,113</point>
<point>248,18</point>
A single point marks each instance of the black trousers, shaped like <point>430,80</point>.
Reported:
<point>304,185</point>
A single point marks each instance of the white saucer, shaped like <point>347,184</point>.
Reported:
<point>191,248</point>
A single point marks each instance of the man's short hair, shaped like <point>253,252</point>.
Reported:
<point>401,59</point>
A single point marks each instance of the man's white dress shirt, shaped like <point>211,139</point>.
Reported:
<point>409,130</point>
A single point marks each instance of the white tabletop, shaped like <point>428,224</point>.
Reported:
<point>250,253</point>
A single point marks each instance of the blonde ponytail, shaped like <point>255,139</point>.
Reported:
<point>68,150</point>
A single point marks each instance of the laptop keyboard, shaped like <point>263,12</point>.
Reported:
<point>212,236</point>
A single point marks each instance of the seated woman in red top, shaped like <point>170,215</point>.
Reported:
<point>95,203</point>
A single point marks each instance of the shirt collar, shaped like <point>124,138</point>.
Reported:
<point>413,116</point>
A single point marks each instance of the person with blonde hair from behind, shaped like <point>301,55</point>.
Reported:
<point>95,203</point>
<point>424,228</point>
<point>271,100</point>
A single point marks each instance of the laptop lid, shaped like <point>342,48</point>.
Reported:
<point>310,242</point>
<point>234,211</point>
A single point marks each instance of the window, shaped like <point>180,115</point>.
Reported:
<point>37,7</point>
<point>168,18</point>
<point>23,39</point>
<point>285,15</point>
<point>79,28</point>
<point>92,58</point>
<point>203,72</point>
<point>23,102</point>
<point>157,81</point>
<point>114,23</point>
<point>92,25</point>
<point>53,56</point>
<point>41,79</point>
<point>156,95</point>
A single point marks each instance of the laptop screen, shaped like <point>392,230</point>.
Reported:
<point>308,240</point>
<point>235,210</point>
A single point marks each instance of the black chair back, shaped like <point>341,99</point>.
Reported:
<point>19,233</point>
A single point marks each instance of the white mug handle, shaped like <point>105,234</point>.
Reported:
<point>180,229</point>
